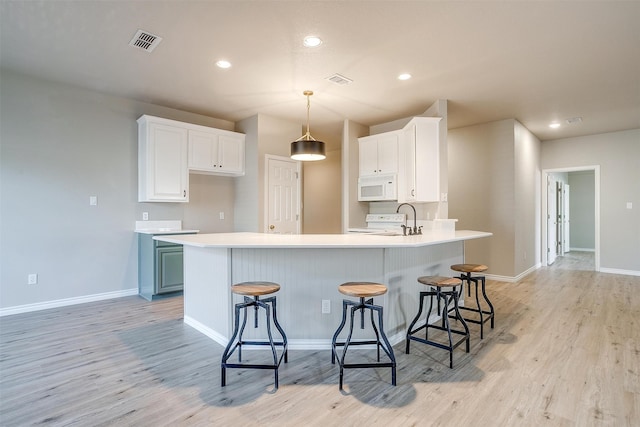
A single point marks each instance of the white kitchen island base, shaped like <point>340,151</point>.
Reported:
<point>309,269</point>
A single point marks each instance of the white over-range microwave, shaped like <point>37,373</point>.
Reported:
<point>377,187</point>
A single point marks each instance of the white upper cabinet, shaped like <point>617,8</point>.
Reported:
<point>216,152</point>
<point>162,161</point>
<point>419,177</point>
<point>379,154</point>
<point>168,150</point>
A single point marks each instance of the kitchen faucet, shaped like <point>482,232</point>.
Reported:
<point>415,221</point>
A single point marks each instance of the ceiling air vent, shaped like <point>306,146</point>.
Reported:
<point>145,41</point>
<point>339,80</point>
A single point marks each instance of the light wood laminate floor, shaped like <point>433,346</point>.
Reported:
<point>565,352</point>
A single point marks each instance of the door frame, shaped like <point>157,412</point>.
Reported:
<point>543,234</point>
<point>268,157</point>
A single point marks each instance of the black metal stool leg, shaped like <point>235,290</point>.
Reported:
<point>334,353</point>
<point>410,330</point>
<point>486,298</point>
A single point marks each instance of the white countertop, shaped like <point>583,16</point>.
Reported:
<point>353,240</point>
<point>162,227</point>
<point>163,231</point>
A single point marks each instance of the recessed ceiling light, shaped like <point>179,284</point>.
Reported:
<point>223,64</point>
<point>312,41</point>
<point>554,125</point>
<point>404,76</point>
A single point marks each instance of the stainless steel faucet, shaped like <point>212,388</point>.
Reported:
<point>415,229</point>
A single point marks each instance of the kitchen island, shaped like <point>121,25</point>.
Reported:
<point>309,268</point>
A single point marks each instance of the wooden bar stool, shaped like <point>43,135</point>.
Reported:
<point>362,290</point>
<point>465,276</point>
<point>438,285</point>
<point>252,292</point>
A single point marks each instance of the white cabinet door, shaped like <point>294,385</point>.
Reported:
<point>231,154</point>
<point>368,156</point>
<point>216,152</point>
<point>203,151</point>
<point>407,160</point>
<point>419,179</point>
<point>163,174</point>
<point>388,153</point>
<point>378,154</point>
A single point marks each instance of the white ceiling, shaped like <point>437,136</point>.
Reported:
<point>534,61</point>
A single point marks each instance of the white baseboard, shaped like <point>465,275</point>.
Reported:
<point>220,339</point>
<point>319,344</point>
<point>512,279</point>
<point>65,302</point>
<point>618,271</point>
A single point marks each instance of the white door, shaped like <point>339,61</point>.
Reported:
<point>551,221</point>
<point>566,219</point>
<point>283,201</point>
<point>559,219</point>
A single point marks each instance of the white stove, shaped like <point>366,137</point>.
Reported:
<point>382,224</point>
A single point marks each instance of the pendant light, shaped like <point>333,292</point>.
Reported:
<point>306,148</point>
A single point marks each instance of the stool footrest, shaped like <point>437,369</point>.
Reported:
<point>477,322</point>
<point>440,345</point>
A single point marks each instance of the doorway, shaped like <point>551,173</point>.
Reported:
<point>556,215</point>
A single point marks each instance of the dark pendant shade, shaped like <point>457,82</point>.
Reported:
<point>307,150</point>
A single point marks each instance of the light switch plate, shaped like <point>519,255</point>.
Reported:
<point>93,200</point>
<point>629,205</point>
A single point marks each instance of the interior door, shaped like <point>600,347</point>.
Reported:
<point>552,215</point>
<point>559,219</point>
<point>283,201</point>
<point>566,218</point>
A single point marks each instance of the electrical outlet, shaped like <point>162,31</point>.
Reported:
<point>145,216</point>
<point>32,279</point>
<point>326,306</point>
<point>93,200</point>
<point>221,215</point>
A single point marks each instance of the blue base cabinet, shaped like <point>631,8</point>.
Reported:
<point>160,268</point>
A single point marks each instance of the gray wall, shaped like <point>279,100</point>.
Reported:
<point>60,145</point>
<point>493,175</point>
<point>582,210</point>
<point>353,211</point>
<point>618,155</point>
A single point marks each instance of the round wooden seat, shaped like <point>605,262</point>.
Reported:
<point>362,289</point>
<point>255,288</point>
<point>469,268</point>
<point>439,281</point>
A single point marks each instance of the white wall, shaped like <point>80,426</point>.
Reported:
<point>618,155</point>
<point>60,145</point>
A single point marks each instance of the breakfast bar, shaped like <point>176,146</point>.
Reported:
<point>309,268</point>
